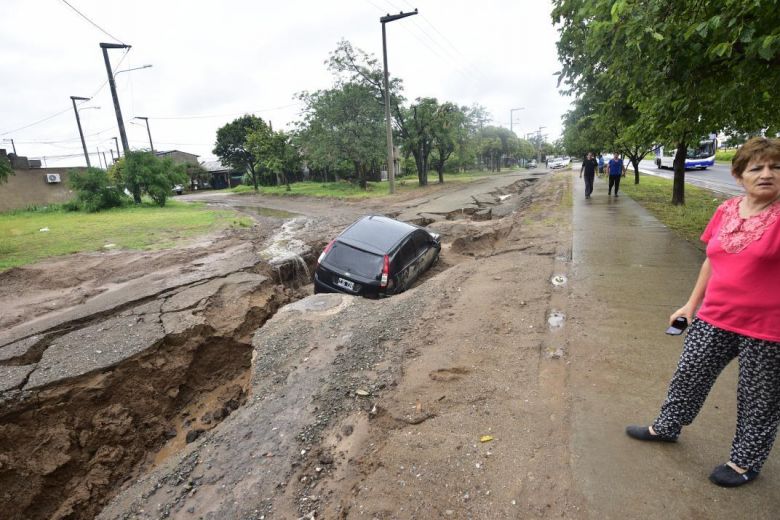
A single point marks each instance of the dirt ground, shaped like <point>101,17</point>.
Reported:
<point>448,401</point>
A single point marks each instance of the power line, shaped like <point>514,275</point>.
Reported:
<point>206,116</point>
<point>93,23</point>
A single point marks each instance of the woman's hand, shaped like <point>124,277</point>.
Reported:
<point>685,311</point>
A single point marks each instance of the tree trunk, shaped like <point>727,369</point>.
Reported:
<point>635,164</point>
<point>678,189</point>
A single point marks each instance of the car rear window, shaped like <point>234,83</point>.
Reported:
<point>351,260</point>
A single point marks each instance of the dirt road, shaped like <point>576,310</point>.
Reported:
<point>90,410</point>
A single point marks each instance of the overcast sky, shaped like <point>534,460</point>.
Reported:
<point>213,61</point>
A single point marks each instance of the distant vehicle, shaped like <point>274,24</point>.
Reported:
<point>558,162</point>
<point>531,164</point>
<point>700,157</point>
<point>178,189</point>
<point>375,257</point>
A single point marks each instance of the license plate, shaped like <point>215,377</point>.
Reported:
<point>346,284</point>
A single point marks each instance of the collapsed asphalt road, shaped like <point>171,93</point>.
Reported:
<point>164,396</point>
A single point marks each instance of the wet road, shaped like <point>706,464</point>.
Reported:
<point>717,178</point>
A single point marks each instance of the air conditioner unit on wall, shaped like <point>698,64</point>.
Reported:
<point>52,178</point>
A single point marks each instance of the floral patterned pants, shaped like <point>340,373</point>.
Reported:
<point>706,352</point>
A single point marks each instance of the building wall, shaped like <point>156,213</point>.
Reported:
<point>29,188</point>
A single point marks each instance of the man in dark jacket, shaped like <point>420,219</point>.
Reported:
<point>589,166</point>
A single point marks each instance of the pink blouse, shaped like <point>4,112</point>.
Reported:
<point>743,293</point>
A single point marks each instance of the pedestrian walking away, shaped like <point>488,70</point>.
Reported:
<point>601,165</point>
<point>737,295</point>
<point>616,170</point>
<point>589,166</point>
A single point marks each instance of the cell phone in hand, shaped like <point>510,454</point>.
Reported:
<point>677,327</point>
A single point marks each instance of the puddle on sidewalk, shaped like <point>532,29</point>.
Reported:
<point>556,320</point>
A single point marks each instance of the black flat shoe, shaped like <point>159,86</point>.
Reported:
<point>642,433</point>
<point>726,476</point>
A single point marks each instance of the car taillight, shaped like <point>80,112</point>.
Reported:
<point>325,252</point>
<point>385,272</point>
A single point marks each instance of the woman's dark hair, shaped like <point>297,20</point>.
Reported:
<point>755,149</point>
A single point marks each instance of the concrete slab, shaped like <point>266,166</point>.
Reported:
<point>12,377</point>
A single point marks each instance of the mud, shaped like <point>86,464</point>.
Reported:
<point>159,400</point>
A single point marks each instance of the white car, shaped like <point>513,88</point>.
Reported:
<point>558,162</point>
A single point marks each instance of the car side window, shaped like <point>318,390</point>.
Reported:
<point>406,254</point>
<point>421,240</point>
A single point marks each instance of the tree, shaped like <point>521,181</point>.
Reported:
<point>143,172</point>
<point>95,191</point>
<point>198,176</point>
<point>688,69</point>
<point>231,145</point>
<point>276,153</point>
<point>344,126</point>
<point>449,123</point>
<point>5,170</point>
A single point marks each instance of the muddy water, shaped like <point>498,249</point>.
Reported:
<point>267,212</point>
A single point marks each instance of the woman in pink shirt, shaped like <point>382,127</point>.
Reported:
<point>737,296</point>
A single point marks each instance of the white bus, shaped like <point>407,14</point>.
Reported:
<point>696,158</point>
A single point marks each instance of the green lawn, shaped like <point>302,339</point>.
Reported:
<point>346,190</point>
<point>655,194</point>
<point>142,227</point>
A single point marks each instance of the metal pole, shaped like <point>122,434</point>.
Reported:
<point>13,146</point>
<point>116,142</point>
<point>78,122</point>
<point>149,133</point>
<point>512,119</point>
<point>113,159</point>
<point>112,85</point>
<point>98,154</point>
<point>104,159</point>
<point>390,162</point>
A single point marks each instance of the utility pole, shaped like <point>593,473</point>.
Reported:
<point>12,145</point>
<point>118,155</point>
<point>78,122</point>
<point>113,160</point>
<point>112,84</point>
<point>146,119</point>
<point>104,159</point>
<point>539,152</point>
<point>98,154</point>
<point>512,119</point>
<point>390,162</point>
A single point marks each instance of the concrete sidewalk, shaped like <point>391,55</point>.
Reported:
<point>628,273</point>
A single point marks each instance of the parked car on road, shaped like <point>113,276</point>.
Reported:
<point>558,162</point>
<point>531,164</point>
<point>178,189</point>
<point>375,257</point>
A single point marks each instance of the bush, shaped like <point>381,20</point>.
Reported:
<point>94,191</point>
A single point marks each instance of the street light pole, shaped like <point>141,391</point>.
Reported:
<point>78,122</point>
<point>512,119</point>
<point>112,84</point>
<point>146,119</point>
<point>390,163</point>
<point>116,142</point>
<point>539,152</point>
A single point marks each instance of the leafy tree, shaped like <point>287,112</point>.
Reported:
<point>276,152</point>
<point>5,170</point>
<point>143,172</point>
<point>448,123</point>
<point>197,174</point>
<point>231,145</point>
<point>95,191</point>
<point>344,126</point>
<point>688,69</point>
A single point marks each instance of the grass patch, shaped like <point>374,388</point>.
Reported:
<point>725,155</point>
<point>137,227</point>
<point>348,190</point>
<point>688,221</point>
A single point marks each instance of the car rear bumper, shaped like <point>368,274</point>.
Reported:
<point>367,291</point>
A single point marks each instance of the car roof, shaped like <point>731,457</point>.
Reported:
<point>376,234</point>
